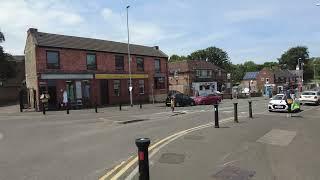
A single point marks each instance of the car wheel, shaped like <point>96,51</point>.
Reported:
<point>270,110</point>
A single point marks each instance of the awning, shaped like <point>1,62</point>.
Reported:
<point>66,76</point>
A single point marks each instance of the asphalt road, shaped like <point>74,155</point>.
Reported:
<point>86,145</point>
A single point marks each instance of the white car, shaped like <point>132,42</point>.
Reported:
<point>278,103</point>
<point>310,97</point>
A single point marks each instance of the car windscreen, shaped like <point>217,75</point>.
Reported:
<point>308,93</point>
<point>278,97</point>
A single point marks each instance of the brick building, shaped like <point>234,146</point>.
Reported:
<point>92,70</point>
<point>192,76</point>
<point>260,81</point>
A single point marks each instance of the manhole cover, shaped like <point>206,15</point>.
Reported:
<point>193,137</point>
<point>172,158</point>
<point>234,173</point>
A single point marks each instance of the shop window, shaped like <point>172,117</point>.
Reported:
<point>70,91</point>
<point>53,60</point>
<point>209,72</point>
<point>86,90</point>
<point>157,66</point>
<point>159,82</point>
<point>91,62</point>
<point>141,86</point>
<point>140,64</point>
<point>198,73</point>
<point>119,61</point>
<point>116,87</point>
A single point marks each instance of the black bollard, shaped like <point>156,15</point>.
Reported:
<point>120,107</point>
<point>216,116</point>
<point>235,112</point>
<point>250,109</point>
<point>143,144</point>
<point>140,105</point>
<point>43,109</point>
<point>68,108</point>
<point>96,108</point>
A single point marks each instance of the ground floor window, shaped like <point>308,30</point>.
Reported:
<point>141,86</point>
<point>116,87</point>
<point>159,83</point>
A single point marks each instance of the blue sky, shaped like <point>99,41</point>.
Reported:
<point>247,29</point>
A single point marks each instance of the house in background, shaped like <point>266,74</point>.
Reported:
<point>9,88</point>
<point>249,82</point>
<point>92,70</point>
<point>195,77</point>
<point>287,79</point>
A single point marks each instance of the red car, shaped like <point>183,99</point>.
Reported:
<point>208,99</point>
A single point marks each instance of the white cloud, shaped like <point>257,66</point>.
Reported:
<point>247,14</point>
<point>19,15</point>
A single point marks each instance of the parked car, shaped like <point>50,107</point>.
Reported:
<point>180,100</point>
<point>310,97</point>
<point>280,103</point>
<point>172,92</point>
<point>208,99</point>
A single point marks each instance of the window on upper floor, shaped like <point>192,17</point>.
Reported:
<point>159,83</point>
<point>157,66</point>
<point>119,62</point>
<point>91,61</point>
<point>53,61</point>
<point>140,64</point>
<point>262,79</point>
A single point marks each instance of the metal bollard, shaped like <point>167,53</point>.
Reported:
<point>235,112</point>
<point>120,108</point>
<point>216,116</point>
<point>143,144</point>
<point>96,108</point>
<point>250,109</point>
<point>43,109</point>
<point>140,105</point>
<point>21,108</point>
<point>68,107</point>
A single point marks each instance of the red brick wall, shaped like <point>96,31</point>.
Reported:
<point>74,61</point>
<point>264,73</point>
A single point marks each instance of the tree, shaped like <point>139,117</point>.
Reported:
<point>290,58</point>
<point>6,68</point>
<point>250,66</point>
<point>214,55</point>
<point>270,65</point>
<point>174,58</point>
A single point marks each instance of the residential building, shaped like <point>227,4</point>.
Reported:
<point>250,82</point>
<point>9,88</point>
<point>195,77</point>
<point>92,71</point>
<point>287,79</point>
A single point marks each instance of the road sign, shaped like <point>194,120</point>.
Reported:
<point>229,76</point>
<point>130,88</point>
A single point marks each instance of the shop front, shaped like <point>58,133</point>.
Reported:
<point>75,89</point>
<point>114,88</point>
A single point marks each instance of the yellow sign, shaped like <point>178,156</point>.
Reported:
<point>121,76</point>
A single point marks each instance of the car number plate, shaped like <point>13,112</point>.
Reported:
<point>278,106</point>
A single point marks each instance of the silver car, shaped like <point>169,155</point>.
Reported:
<point>310,97</point>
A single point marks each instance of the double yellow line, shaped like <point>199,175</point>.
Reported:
<point>120,169</point>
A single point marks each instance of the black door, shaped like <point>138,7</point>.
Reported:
<point>52,102</point>
<point>104,92</point>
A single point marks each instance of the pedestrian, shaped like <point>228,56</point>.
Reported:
<point>172,103</point>
<point>65,99</point>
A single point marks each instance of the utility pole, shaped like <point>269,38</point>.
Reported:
<point>129,58</point>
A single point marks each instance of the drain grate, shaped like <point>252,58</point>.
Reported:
<point>172,158</point>
<point>234,173</point>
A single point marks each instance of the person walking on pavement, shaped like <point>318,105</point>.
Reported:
<point>172,103</point>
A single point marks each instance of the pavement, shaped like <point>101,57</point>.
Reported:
<point>88,145</point>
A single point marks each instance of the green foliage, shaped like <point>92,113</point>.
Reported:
<point>175,58</point>
<point>214,55</point>
<point>6,68</point>
<point>289,59</point>
<point>250,66</point>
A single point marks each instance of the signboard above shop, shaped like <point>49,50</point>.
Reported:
<point>66,76</point>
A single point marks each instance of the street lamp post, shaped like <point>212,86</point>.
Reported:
<point>300,66</point>
<point>129,58</point>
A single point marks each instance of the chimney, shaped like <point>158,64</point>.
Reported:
<point>32,30</point>
<point>156,47</point>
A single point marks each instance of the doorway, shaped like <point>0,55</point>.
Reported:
<point>104,92</point>
<point>52,91</point>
